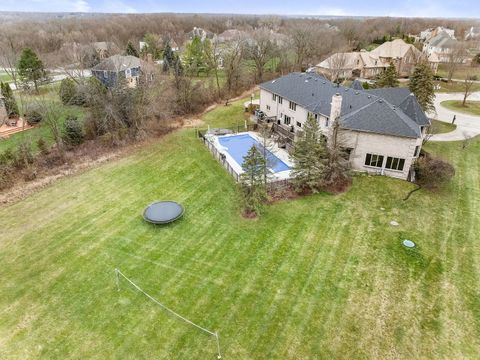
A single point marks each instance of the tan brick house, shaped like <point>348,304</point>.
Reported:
<point>382,129</point>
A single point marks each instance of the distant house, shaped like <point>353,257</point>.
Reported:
<point>232,35</point>
<point>368,64</point>
<point>121,68</point>
<point>426,35</point>
<point>473,33</point>
<point>382,130</point>
<point>351,65</point>
<point>104,49</point>
<point>440,47</point>
<point>201,33</point>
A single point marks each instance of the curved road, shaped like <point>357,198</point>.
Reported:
<point>467,125</point>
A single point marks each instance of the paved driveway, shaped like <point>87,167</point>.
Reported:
<point>467,125</point>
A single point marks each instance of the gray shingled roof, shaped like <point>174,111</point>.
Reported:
<point>394,96</point>
<point>381,117</point>
<point>118,63</point>
<point>412,108</point>
<point>361,110</point>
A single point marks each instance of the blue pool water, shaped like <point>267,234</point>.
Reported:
<point>238,145</point>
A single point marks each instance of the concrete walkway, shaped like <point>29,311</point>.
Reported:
<point>467,125</point>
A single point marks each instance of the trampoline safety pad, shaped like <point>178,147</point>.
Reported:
<point>163,212</point>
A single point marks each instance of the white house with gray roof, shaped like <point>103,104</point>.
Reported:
<point>382,129</point>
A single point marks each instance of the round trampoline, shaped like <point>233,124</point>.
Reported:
<point>163,212</point>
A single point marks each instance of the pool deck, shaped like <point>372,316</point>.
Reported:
<point>281,154</point>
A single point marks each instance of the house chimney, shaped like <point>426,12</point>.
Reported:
<point>336,107</point>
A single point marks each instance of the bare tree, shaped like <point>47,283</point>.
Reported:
<point>9,56</point>
<point>233,57</point>
<point>302,41</point>
<point>456,56</point>
<point>261,50</point>
<point>468,87</point>
<point>52,112</point>
<point>336,64</point>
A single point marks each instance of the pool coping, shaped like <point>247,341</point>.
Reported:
<point>281,154</point>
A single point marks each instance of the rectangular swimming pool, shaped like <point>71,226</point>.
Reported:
<point>237,147</point>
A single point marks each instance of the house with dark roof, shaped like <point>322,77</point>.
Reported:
<point>381,129</point>
<point>122,68</point>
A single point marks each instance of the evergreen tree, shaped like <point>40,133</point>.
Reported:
<point>421,84</point>
<point>10,103</point>
<point>67,91</point>
<point>253,188</point>
<point>72,133</point>
<point>130,50</point>
<point>194,56</point>
<point>309,158</point>
<point>388,78</point>
<point>168,58</point>
<point>30,67</point>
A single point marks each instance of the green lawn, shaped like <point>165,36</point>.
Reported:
<point>461,72</point>
<point>4,77</point>
<point>441,127</point>
<point>319,277</point>
<point>471,107</point>
<point>454,86</point>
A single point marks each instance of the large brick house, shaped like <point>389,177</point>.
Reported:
<point>382,129</point>
<point>369,64</point>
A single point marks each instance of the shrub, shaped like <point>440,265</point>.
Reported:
<point>33,115</point>
<point>72,131</point>
<point>23,155</point>
<point>433,173</point>
<point>6,176</point>
<point>67,92</point>
<point>42,146</point>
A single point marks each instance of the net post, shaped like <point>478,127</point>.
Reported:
<point>117,280</point>
<point>219,356</point>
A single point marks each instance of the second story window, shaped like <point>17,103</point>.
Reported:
<point>292,106</point>
<point>274,97</point>
<point>280,100</point>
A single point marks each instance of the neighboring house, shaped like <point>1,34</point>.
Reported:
<point>473,33</point>
<point>382,130</point>
<point>440,46</point>
<point>201,33</point>
<point>3,111</point>
<point>432,32</point>
<point>350,65</point>
<point>404,56</point>
<point>232,35</point>
<point>121,68</point>
<point>104,49</point>
<point>367,64</point>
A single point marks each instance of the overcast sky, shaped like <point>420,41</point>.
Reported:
<point>404,8</point>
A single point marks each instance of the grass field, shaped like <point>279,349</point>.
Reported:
<point>454,86</point>
<point>319,277</point>
<point>4,77</point>
<point>441,127</point>
<point>461,72</point>
<point>471,107</point>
